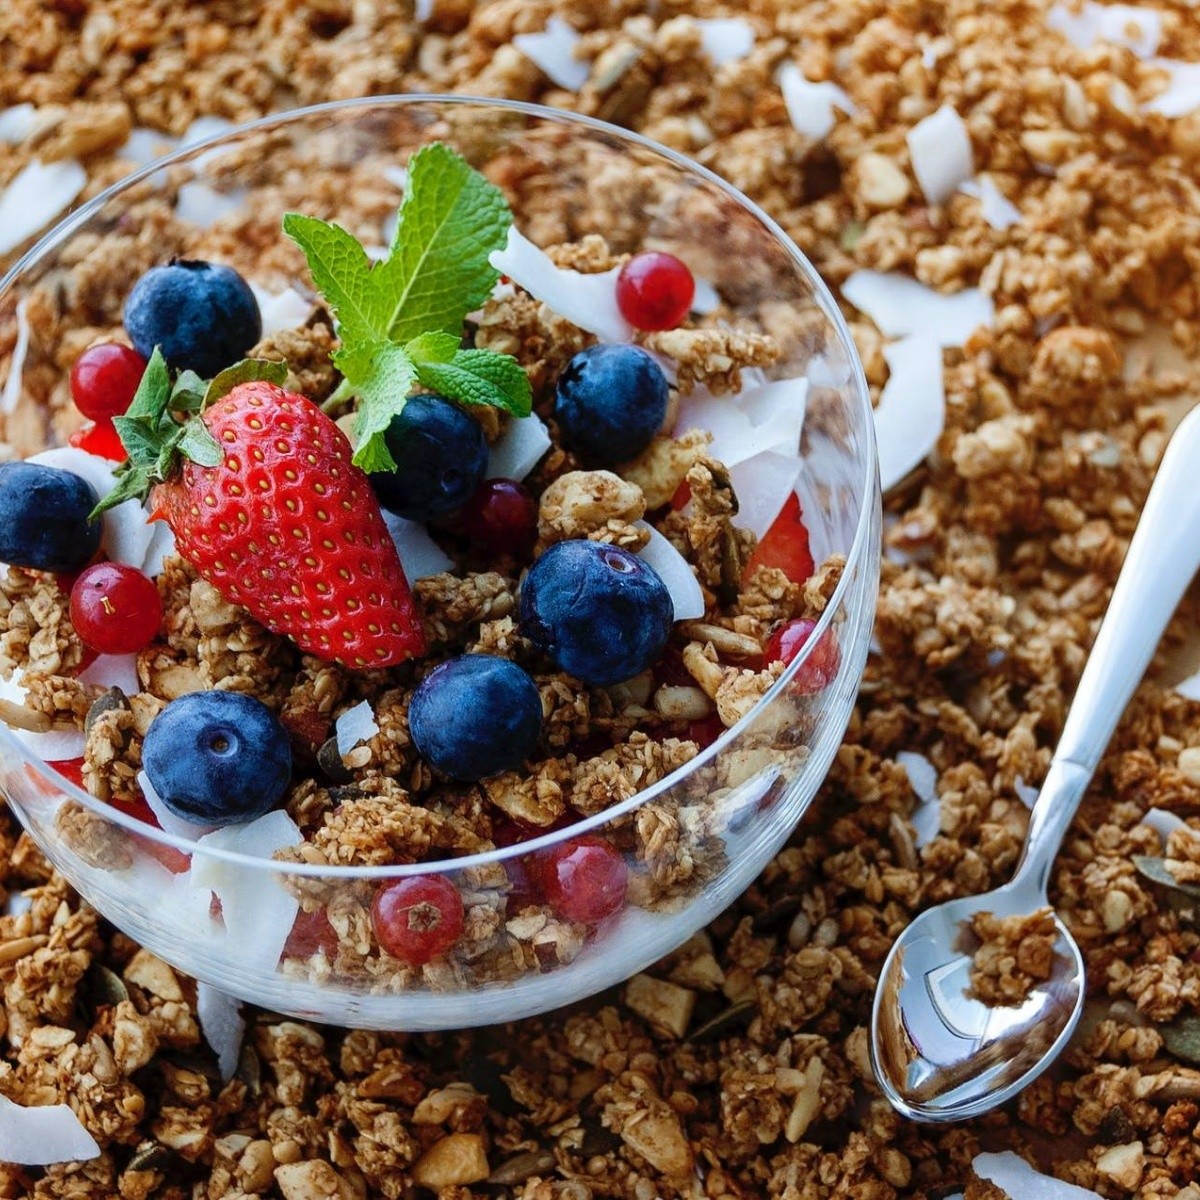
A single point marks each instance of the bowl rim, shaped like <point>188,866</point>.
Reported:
<point>867,497</point>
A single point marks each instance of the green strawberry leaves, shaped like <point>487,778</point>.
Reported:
<point>400,320</point>
<point>163,423</point>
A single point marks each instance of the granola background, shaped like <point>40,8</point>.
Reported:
<point>739,1067</point>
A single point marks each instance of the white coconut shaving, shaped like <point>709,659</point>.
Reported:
<point>1026,792</point>
<point>44,1134</point>
<point>518,449</point>
<point>1165,823</point>
<point>763,484</point>
<point>203,128</point>
<point>281,310</point>
<point>176,826</point>
<point>17,123</point>
<point>922,775</point>
<point>673,569</point>
<point>761,419</point>
<point>397,176</point>
<point>589,301</point>
<point>994,206</point>
<point>423,10</point>
<point>725,39</point>
<point>50,747</point>
<point>35,196</point>
<point>16,904</point>
<point>810,105</point>
<point>1137,29</point>
<point>11,396</point>
<point>113,671</point>
<point>355,725</point>
<point>900,305</point>
<point>127,533</point>
<point>143,146</point>
<point>257,910</point>
<point>706,298</point>
<point>223,1026</point>
<point>1189,688</point>
<point>204,206</point>
<point>553,52</point>
<point>161,547</point>
<point>1012,1174</point>
<point>420,555</point>
<point>912,407</point>
<point>1182,93</point>
<point>777,411</point>
<point>940,149</point>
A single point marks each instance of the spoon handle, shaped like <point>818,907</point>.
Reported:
<point>1162,558</point>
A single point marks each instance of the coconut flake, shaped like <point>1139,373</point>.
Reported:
<point>203,206</point>
<point>203,128</point>
<point>423,10</point>
<point>922,775</point>
<point>763,484</point>
<point>1012,1174</point>
<point>589,301</point>
<point>41,1135</point>
<point>725,39</point>
<point>1164,823</point>
<point>927,823</point>
<point>900,305</point>
<point>1026,792</point>
<point>420,555</point>
<point>223,1026</point>
<point>169,821</point>
<point>35,196</point>
<point>706,298</point>
<point>553,52</point>
<point>1137,29</point>
<point>687,598</point>
<point>11,396</point>
<point>776,410</point>
<point>1189,688</point>
<point>50,747</point>
<point>113,671</point>
<point>257,910</point>
<point>994,206</point>
<point>519,449</point>
<point>17,904</point>
<point>940,149</point>
<point>355,725</point>
<point>281,310</point>
<point>16,123</point>
<point>143,146</point>
<point>1182,93</point>
<point>127,532</point>
<point>161,547</point>
<point>810,105</point>
<point>912,409</point>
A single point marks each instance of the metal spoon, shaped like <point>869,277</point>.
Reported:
<point>938,1053</point>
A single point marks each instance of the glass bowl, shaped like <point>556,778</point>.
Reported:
<point>691,842</point>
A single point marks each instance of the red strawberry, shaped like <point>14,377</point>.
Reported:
<point>290,529</point>
<point>784,545</point>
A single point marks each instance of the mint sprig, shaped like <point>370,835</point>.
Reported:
<point>163,423</point>
<point>400,320</point>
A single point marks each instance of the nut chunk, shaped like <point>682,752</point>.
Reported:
<point>1017,952</point>
<point>592,504</point>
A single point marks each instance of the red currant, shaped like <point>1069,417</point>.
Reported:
<point>104,379</point>
<point>655,291</point>
<point>819,669</point>
<point>115,609</point>
<point>417,919</point>
<point>784,546</point>
<point>502,515</point>
<point>100,438</point>
<point>584,880</point>
<point>311,932</point>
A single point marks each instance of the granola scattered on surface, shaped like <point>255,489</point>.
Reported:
<point>737,1067</point>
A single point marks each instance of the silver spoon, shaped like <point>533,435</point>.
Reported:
<point>938,1053</point>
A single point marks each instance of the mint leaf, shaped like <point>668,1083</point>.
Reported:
<point>249,370</point>
<point>480,377</point>
<point>341,269</point>
<point>387,375</point>
<point>433,347</point>
<point>153,394</point>
<point>195,442</point>
<point>451,219</point>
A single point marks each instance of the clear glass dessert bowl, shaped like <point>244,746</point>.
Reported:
<point>296,936</point>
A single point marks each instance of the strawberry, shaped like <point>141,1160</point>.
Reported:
<point>784,545</point>
<point>289,529</point>
<point>264,502</point>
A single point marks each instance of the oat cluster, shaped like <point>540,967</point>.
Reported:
<point>739,1067</point>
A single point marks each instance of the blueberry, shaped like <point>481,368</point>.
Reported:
<point>610,402</point>
<point>441,456</point>
<point>217,758</point>
<point>203,316</point>
<point>476,716</point>
<point>44,518</point>
<point>601,613</point>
